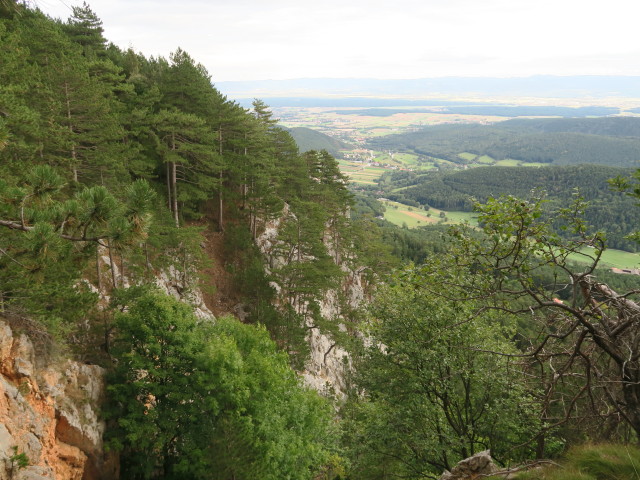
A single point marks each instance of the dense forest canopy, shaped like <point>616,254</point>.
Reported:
<point>606,141</point>
<point>111,165</point>
<point>608,210</point>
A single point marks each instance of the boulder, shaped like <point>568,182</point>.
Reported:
<point>476,466</point>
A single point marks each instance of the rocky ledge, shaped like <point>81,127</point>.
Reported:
<point>50,428</point>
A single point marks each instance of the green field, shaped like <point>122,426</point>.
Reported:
<point>469,157</point>
<point>610,258</point>
<point>508,162</point>
<point>406,158</point>
<point>400,214</point>
<point>360,173</point>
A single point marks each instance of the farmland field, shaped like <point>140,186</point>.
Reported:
<point>615,258</point>
<point>413,217</point>
<point>469,157</point>
<point>361,173</point>
<point>401,215</point>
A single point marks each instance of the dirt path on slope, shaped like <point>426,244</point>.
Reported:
<point>218,291</point>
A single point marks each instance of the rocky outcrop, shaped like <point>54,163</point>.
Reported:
<point>170,281</point>
<point>49,416</point>
<point>327,364</point>
<point>478,466</point>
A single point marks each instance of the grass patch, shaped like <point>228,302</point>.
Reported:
<point>406,159</point>
<point>425,167</point>
<point>486,159</point>
<point>592,462</point>
<point>508,162</point>
<point>461,217</point>
<point>400,214</point>
<point>469,157</point>
<point>610,258</point>
<point>359,173</point>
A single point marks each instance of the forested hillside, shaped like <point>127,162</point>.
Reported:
<point>611,211</point>
<point>309,139</point>
<point>605,141</point>
<point>112,167</point>
<point>130,188</point>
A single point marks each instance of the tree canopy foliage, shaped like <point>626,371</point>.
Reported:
<point>111,164</point>
<point>208,401</point>
<point>609,210</point>
<point>605,141</point>
<point>435,393</point>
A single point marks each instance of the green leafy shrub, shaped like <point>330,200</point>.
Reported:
<point>192,399</point>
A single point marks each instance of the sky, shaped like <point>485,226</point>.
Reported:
<point>240,40</point>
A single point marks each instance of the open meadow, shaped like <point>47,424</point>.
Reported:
<point>412,217</point>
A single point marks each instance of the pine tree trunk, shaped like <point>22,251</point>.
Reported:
<point>175,193</point>
<point>122,268</point>
<point>146,256</point>
<point>113,266</point>
<point>220,205</point>
<point>98,273</point>
<point>74,155</point>
<point>174,184</point>
<point>169,203</point>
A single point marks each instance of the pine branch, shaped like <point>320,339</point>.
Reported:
<point>26,228</point>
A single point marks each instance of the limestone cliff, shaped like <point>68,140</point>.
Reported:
<point>49,416</point>
<point>325,368</point>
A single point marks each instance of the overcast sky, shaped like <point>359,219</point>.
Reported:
<point>281,39</point>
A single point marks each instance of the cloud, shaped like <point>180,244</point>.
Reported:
<point>256,39</point>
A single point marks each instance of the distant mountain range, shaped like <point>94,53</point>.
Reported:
<point>535,86</point>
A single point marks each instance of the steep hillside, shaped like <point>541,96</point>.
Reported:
<point>309,139</point>
<point>122,180</point>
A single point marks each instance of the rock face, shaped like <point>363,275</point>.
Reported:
<point>170,281</point>
<point>325,370</point>
<point>477,466</point>
<point>49,416</point>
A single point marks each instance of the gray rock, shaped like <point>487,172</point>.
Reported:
<point>470,468</point>
<point>23,355</point>
<point>6,442</point>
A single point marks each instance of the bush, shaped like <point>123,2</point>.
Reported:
<point>197,400</point>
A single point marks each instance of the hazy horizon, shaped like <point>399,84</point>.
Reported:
<point>587,87</point>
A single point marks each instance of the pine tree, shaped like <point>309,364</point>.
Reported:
<point>185,146</point>
<point>85,28</point>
